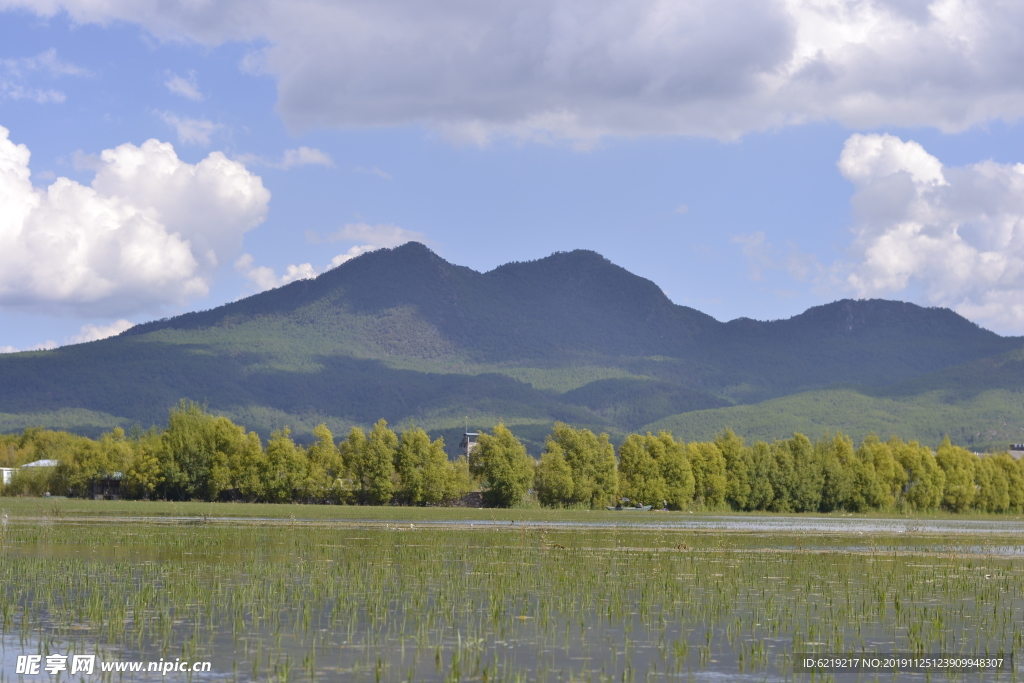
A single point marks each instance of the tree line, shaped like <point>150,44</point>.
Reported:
<point>200,456</point>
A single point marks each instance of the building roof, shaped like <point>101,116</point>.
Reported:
<point>43,463</point>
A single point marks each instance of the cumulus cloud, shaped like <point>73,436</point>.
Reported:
<point>264,277</point>
<point>581,69</point>
<point>16,76</point>
<point>373,236</point>
<point>191,131</point>
<point>42,346</point>
<point>954,234</point>
<point>90,332</point>
<point>187,87</point>
<point>150,229</point>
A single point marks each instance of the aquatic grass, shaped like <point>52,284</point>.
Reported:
<point>292,601</point>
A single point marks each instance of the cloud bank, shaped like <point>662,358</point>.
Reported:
<point>955,234</point>
<point>149,231</point>
<point>581,69</point>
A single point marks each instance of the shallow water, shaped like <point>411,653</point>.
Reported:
<point>676,598</point>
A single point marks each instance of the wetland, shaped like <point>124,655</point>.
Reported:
<point>477,596</point>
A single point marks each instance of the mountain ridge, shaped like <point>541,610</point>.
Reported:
<point>405,335</point>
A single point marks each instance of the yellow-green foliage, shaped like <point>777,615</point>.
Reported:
<point>959,466</point>
<point>500,460</point>
<point>591,463</point>
<point>640,477</point>
<point>709,474</point>
<point>554,483</point>
<point>201,456</point>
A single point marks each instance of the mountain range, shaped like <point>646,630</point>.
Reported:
<point>404,335</point>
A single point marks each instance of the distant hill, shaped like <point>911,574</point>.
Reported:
<point>402,334</point>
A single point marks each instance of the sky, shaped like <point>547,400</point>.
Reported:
<point>751,157</point>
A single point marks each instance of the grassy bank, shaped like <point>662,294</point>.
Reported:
<point>58,507</point>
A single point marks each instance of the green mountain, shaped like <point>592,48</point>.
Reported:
<point>402,334</point>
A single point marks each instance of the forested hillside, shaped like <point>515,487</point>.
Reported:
<point>402,334</point>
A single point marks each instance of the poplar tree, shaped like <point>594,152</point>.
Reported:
<point>925,481</point>
<point>958,465</point>
<point>500,460</point>
<point>591,460</point>
<point>640,476</point>
<point>675,470</point>
<point>710,477</point>
<point>554,481</point>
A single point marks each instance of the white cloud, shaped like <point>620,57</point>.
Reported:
<point>375,236</point>
<point>358,250</point>
<point>191,131</point>
<point>150,229</point>
<point>90,332</point>
<point>954,234</point>
<point>579,69</point>
<point>16,74</point>
<point>379,235</point>
<point>185,87</point>
<point>47,345</point>
<point>292,158</point>
<point>265,278</point>
<point>305,156</point>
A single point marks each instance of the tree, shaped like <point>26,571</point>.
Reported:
<point>710,476</point>
<point>554,482</point>
<point>993,486</point>
<point>781,475</point>
<point>809,479</point>
<point>425,475</point>
<point>373,465</point>
<point>197,450</point>
<point>248,467</point>
<point>925,479</point>
<point>460,481</point>
<point>353,452</point>
<point>500,460</point>
<point>409,460</point>
<point>737,468</point>
<point>836,457</point>
<point>591,460</point>
<point>958,465</point>
<point>640,477</point>
<point>1014,481</point>
<point>325,468</point>
<point>144,472</point>
<point>761,492</point>
<point>285,474</point>
<point>675,470</point>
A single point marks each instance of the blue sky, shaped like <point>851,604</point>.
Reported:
<point>753,158</point>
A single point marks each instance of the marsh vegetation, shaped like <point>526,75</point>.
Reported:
<point>360,600</point>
